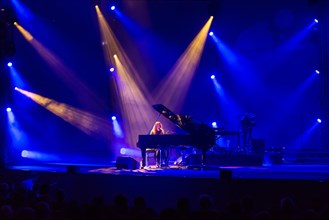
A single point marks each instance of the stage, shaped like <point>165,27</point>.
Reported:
<point>268,172</point>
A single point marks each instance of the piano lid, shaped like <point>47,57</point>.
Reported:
<point>185,122</point>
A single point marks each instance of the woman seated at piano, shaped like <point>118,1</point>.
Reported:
<point>157,129</point>
<point>162,153</point>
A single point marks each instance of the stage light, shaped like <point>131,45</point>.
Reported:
<point>24,32</point>
<point>9,64</point>
<point>117,130</point>
<point>112,69</point>
<point>24,153</point>
<point>211,33</point>
<point>319,120</point>
<point>38,155</point>
<point>70,79</point>
<point>212,76</point>
<point>8,109</point>
<point>132,103</point>
<point>90,124</point>
<point>181,75</point>
<point>130,152</point>
<point>317,71</point>
<point>112,7</point>
<point>123,151</point>
<point>214,124</point>
<point>316,20</point>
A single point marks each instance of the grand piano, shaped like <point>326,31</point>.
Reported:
<point>199,135</point>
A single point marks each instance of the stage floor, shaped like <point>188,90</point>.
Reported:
<point>280,172</point>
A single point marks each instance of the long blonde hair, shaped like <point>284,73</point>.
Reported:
<point>154,129</point>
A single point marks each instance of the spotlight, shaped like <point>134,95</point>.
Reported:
<point>24,153</point>
<point>214,124</point>
<point>316,20</point>
<point>8,109</point>
<point>317,71</point>
<point>117,131</point>
<point>9,64</point>
<point>16,88</point>
<point>211,33</point>
<point>319,120</point>
<point>112,7</point>
<point>112,69</point>
<point>115,56</point>
<point>129,152</point>
<point>123,151</point>
<point>212,76</point>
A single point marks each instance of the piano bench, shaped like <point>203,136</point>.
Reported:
<point>150,157</point>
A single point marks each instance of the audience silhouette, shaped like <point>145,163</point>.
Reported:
<point>20,201</point>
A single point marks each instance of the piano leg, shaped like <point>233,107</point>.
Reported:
<point>163,157</point>
<point>159,158</point>
<point>143,157</point>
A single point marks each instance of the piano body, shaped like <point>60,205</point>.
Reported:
<point>198,135</point>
